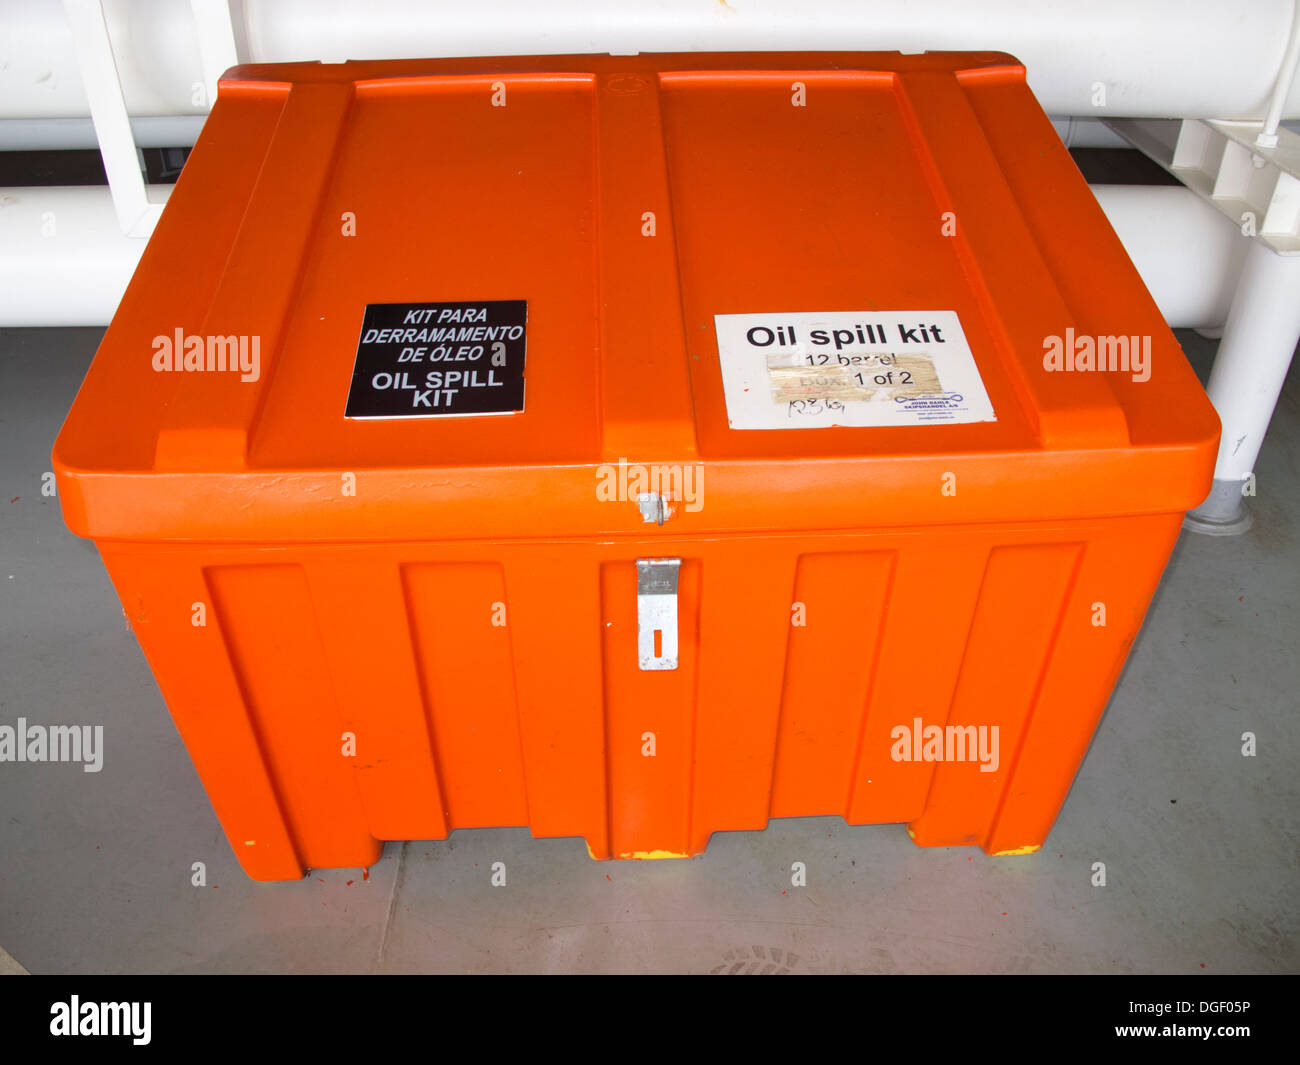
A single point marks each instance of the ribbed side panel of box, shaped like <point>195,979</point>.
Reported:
<point>460,631</point>
<point>950,681</point>
<point>280,664</point>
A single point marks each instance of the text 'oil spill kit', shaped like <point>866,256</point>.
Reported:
<point>633,448</point>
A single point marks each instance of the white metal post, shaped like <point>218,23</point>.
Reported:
<point>1250,368</point>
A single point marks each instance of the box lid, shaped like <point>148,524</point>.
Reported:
<point>513,297</point>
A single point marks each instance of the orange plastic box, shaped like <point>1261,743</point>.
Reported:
<point>633,448</point>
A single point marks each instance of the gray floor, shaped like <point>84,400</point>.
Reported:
<point>1200,843</point>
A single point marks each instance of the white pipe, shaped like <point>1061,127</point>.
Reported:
<point>56,134</point>
<point>155,44</point>
<point>1186,252</point>
<point>1259,339</point>
<point>63,258</point>
<point>1185,58</point>
<point>1079,132</point>
<point>181,131</point>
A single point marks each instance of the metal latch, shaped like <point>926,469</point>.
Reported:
<point>656,612</point>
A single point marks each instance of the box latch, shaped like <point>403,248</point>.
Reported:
<point>656,612</point>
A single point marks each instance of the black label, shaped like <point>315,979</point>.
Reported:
<point>419,360</point>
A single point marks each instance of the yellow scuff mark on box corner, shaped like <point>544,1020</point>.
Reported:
<point>591,853</point>
<point>652,856</point>
<point>910,833</point>
<point>1017,850</point>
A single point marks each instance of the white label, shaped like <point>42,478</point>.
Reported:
<point>812,370</point>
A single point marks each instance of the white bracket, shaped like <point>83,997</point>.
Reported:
<point>216,42</point>
<point>1257,187</point>
<point>137,208</point>
<point>135,214</point>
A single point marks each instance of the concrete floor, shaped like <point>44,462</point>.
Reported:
<point>1200,843</point>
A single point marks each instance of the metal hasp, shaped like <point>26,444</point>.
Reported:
<point>656,612</point>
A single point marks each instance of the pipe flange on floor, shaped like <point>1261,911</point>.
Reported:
<point>1224,512</point>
